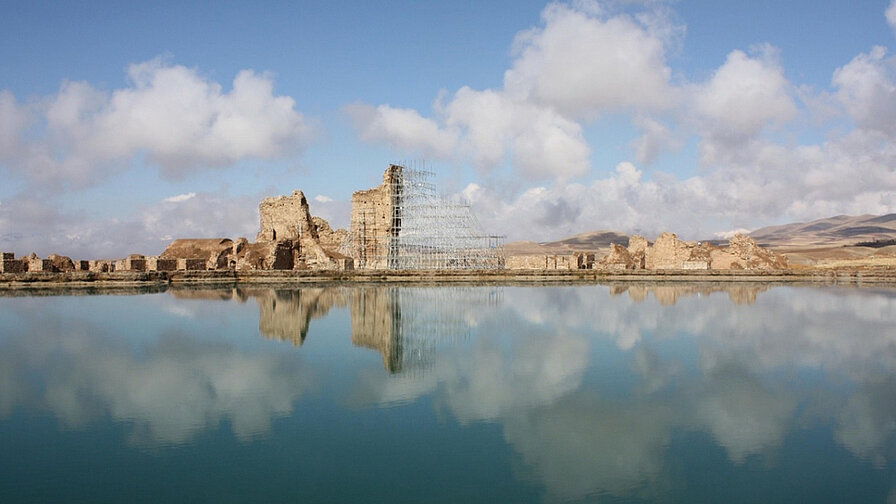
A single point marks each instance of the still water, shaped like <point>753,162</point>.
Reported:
<point>600,393</point>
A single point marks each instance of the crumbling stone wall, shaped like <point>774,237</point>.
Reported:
<point>329,238</point>
<point>288,219</point>
<point>375,221</point>
<point>668,252</point>
<point>288,239</point>
<point>545,262</point>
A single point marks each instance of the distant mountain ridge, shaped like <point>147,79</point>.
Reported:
<point>832,231</point>
<point>591,240</point>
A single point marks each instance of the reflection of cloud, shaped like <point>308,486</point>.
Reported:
<point>744,416</point>
<point>495,381</point>
<point>527,371</point>
<point>169,391</point>
<point>867,424</point>
<point>582,446</point>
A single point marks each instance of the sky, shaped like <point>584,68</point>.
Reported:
<point>125,126</point>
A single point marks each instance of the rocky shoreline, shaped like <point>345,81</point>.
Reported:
<point>883,275</point>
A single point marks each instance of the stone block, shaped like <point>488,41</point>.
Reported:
<point>154,263</point>
<point>135,264</point>
<point>40,265</point>
<point>12,266</point>
<point>7,256</point>
<point>100,266</point>
<point>192,264</point>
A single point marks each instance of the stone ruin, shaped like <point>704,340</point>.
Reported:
<point>402,224</point>
<point>288,239</point>
<point>666,253</point>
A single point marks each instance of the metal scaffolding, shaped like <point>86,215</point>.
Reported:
<point>412,228</point>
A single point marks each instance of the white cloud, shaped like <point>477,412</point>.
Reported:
<point>180,120</point>
<point>13,120</point>
<point>179,198</point>
<point>891,14</point>
<point>866,87</point>
<point>486,128</point>
<point>580,63</point>
<point>744,95</point>
<point>539,141</point>
<point>583,64</point>
<point>656,137</point>
<point>403,129</point>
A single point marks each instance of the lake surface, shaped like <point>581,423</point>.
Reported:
<point>600,393</point>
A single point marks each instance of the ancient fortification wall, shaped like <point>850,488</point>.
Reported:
<point>376,221</point>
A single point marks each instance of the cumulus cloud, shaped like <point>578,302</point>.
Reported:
<point>743,96</point>
<point>30,224</point>
<point>866,87</point>
<point>541,143</point>
<point>403,129</point>
<point>582,64</point>
<point>180,120</point>
<point>13,120</point>
<point>485,127</point>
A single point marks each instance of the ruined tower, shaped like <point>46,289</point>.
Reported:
<point>403,224</point>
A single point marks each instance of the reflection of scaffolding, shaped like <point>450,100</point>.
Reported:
<point>405,225</point>
<point>407,324</point>
<point>433,317</point>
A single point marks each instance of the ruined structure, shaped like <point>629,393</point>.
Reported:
<point>287,240</point>
<point>666,253</point>
<point>670,253</point>
<point>403,224</point>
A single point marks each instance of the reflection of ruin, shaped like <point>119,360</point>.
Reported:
<point>376,324</point>
<point>404,324</point>
<point>285,314</point>
<point>669,294</point>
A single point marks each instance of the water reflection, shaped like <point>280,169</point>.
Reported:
<point>168,391</point>
<point>403,324</point>
<point>596,389</point>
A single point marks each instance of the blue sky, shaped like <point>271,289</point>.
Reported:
<point>124,126</point>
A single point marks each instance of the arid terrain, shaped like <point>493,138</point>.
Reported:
<point>865,240</point>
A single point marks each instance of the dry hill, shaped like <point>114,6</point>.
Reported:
<point>838,231</point>
<point>823,242</point>
<point>590,241</point>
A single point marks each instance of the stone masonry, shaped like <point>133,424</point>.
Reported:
<point>376,221</point>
